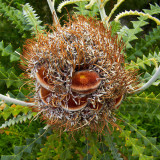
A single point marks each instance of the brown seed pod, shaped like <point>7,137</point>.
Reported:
<point>45,95</point>
<point>78,70</point>
<point>118,101</point>
<point>85,82</point>
<point>74,104</point>
<point>42,80</point>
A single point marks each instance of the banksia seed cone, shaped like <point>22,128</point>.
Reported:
<point>79,73</point>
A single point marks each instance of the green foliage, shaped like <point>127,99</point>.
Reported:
<point>112,147</point>
<point>57,149</point>
<point>142,145</point>
<point>8,51</point>
<point>19,151</point>
<point>9,71</point>
<point>80,9</point>
<point>77,146</point>
<point>18,119</point>
<point>14,110</point>
<point>116,26</point>
<point>32,19</point>
<point>143,45</point>
<point>142,105</point>
<point>129,35</point>
<point>13,15</point>
<point>152,59</point>
<point>155,9</point>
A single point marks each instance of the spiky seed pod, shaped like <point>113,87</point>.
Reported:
<point>79,73</point>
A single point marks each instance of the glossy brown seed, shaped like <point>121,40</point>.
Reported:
<point>45,95</point>
<point>74,105</point>
<point>118,101</point>
<point>85,82</point>
<point>42,80</point>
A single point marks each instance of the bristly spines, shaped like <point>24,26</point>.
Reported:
<point>82,44</point>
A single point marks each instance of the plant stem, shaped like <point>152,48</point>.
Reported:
<point>51,6</point>
<point>15,101</point>
<point>136,13</point>
<point>150,82</point>
<point>114,9</point>
<point>102,12</point>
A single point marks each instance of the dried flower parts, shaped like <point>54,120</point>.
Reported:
<point>79,73</point>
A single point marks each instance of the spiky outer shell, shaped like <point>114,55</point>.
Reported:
<point>54,58</point>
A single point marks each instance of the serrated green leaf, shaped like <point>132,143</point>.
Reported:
<point>144,45</point>
<point>7,157</point>
<point>129,35</point>
<point>88,157</point>
<point>94,150</point>
<point>154,9</point>
<point>1,45</point>
<point>81,10</point>
<point>14,56</point>
<point>141,133</point>
<point>150,140</point>
<point>115,27</point>
<point>137,150</point>
<point>130,141</point>
<point>6,114</point>
<point>32,19</point>
<point>83,138</point>
<point>7,51</point>
<point>3,77</point>
<point>13,15</point>
<point>18,150</point>
<point>125,133</point>
<point>144,157</point>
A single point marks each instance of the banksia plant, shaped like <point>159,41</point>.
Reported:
<point>79,73</point>
<point>82,80</point>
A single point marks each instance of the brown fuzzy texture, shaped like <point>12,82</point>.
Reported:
<point>55,57</point>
